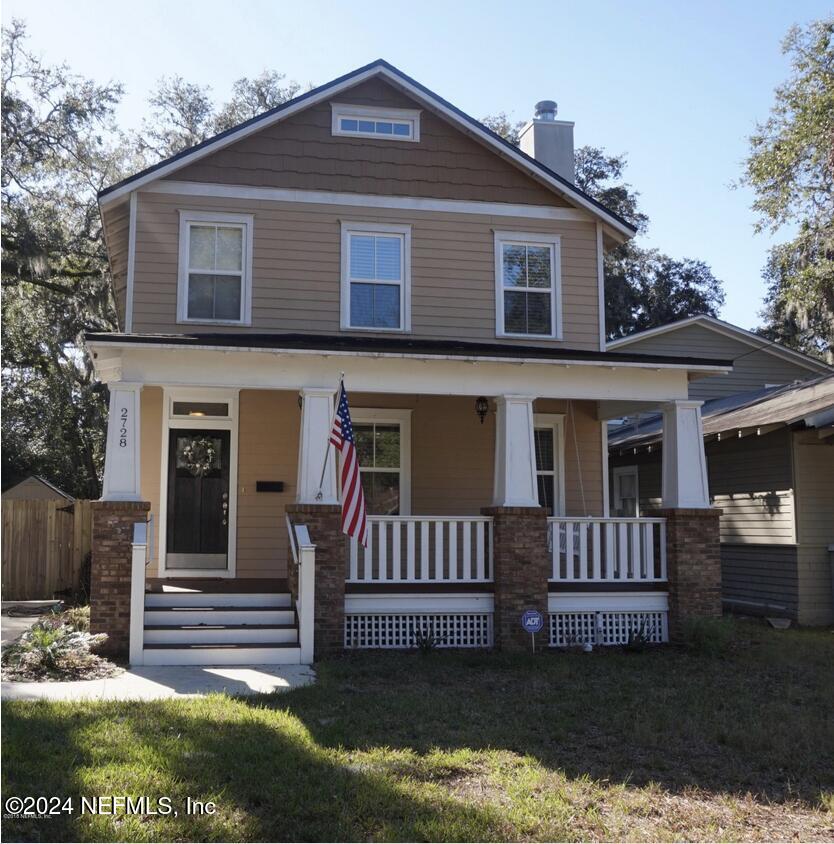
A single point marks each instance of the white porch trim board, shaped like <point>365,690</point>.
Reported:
<point>684,461</point>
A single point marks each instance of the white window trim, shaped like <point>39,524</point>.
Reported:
<point>217,218</point>
<point>556,422</point>
<point>553,241</point>
<point>212,423</point>
<point>617,473</point>
<point>412,116</point>
<point>383,416</point>
<point>350,228</point>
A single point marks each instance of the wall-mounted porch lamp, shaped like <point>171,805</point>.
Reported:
<point>481,408</point>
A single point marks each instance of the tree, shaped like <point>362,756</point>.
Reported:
<point>59,149</point>
<point>184,114</point>
<point>643,287</point>
<point>791,171</point>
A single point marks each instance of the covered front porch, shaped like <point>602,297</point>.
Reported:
<point>468,481</point>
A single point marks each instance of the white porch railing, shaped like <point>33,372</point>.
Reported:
<point>304,556</point>
<point>423,549</point>
<point>590,550</point>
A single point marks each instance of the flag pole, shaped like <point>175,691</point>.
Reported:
<point>320,494</point>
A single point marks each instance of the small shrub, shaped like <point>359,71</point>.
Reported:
<point>640,638</point>
<point>708,636</point>
<point>57,646</point>
<point>425,640</point>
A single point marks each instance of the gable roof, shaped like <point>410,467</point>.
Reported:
<point>379,68</point>
<point>728,330</point>
<point>43,481</point>
<point>810,403</point>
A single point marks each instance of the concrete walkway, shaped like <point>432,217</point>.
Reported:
<point>159,683</point>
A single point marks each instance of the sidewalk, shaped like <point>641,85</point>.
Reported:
<point>161,682</point>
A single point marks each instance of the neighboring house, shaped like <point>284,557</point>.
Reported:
<point>36,488</point>
<point>757,362</point>
<point>371,227</point>
<point>770,458</point>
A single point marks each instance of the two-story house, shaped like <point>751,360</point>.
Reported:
<point>770,463</point>
<point>371,228</point>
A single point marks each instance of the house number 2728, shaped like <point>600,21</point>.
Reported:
<point>123,428</point>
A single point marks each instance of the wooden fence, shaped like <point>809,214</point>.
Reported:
<point>45,544</point>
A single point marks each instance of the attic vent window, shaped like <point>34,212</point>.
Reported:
<point>384,124</point>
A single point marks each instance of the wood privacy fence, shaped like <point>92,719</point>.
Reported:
<point>45,544</point>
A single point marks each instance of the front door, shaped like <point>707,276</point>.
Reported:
<point>198,500</point>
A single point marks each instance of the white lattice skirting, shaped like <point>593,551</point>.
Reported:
<point>607,628</point>
<point>405,630</point>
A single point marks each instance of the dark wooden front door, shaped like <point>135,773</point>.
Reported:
<point>198,500</point>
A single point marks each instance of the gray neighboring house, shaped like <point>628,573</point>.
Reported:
<point>769,441</point>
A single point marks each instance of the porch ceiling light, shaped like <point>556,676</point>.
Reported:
<point>481,407</point>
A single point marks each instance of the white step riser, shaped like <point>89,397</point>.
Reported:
<point>208,616</point>
<point>199,636</point>
<point>221,656</point>
<point>212,599</point>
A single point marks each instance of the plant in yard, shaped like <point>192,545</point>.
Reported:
<point>425,640</point>
<point>640,637</point>
<point>57,646</point>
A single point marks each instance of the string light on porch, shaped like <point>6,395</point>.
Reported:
<point>481,408</point>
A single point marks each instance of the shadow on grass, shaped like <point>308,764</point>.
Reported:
<point>268,778</point>
<point>759,721</point>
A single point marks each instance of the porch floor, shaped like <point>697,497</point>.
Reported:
<point>217,585</point>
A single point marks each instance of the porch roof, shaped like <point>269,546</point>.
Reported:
<point>406,347</point>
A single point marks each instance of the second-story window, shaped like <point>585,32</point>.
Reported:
<point>375,276</point>
<point>527,280</point>
<point>215,268</point>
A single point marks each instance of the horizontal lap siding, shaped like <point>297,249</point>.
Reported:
<point>267,451</point>
<point>300,152</point>
<point>814,464</point>
<point>296,268</point>
<point>752,369</point>
<point>116,232</point>
<point>758,575</point>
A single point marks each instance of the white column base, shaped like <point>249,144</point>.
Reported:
<point>685,483</point>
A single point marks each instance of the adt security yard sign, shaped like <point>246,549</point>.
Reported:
<point>532,621</point>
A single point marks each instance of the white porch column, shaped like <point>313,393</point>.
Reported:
<point>316,419</point>
<point>121,459</point>
<point>684,463</point>
<point>515,453</point>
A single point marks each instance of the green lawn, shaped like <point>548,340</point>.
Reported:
<point>659,745</point>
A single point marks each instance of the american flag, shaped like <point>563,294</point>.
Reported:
<point>354,516</point>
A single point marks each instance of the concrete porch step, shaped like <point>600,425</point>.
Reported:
<point>221,634</point>
<point>280,600</point>
<point>250,653</point>
<point>218,615</point>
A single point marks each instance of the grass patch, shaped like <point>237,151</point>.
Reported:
<point>658,745</point>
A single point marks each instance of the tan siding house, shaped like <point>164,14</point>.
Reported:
<point>369,233</point>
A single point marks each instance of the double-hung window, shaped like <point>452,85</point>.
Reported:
<point>528,282</point>
<point>215,268</point>
<point>548,438</point>
<point>626,491</point>
<point>376,277</point>
<point>383,445</point>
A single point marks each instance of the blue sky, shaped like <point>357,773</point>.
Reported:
<point>676,86</point>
